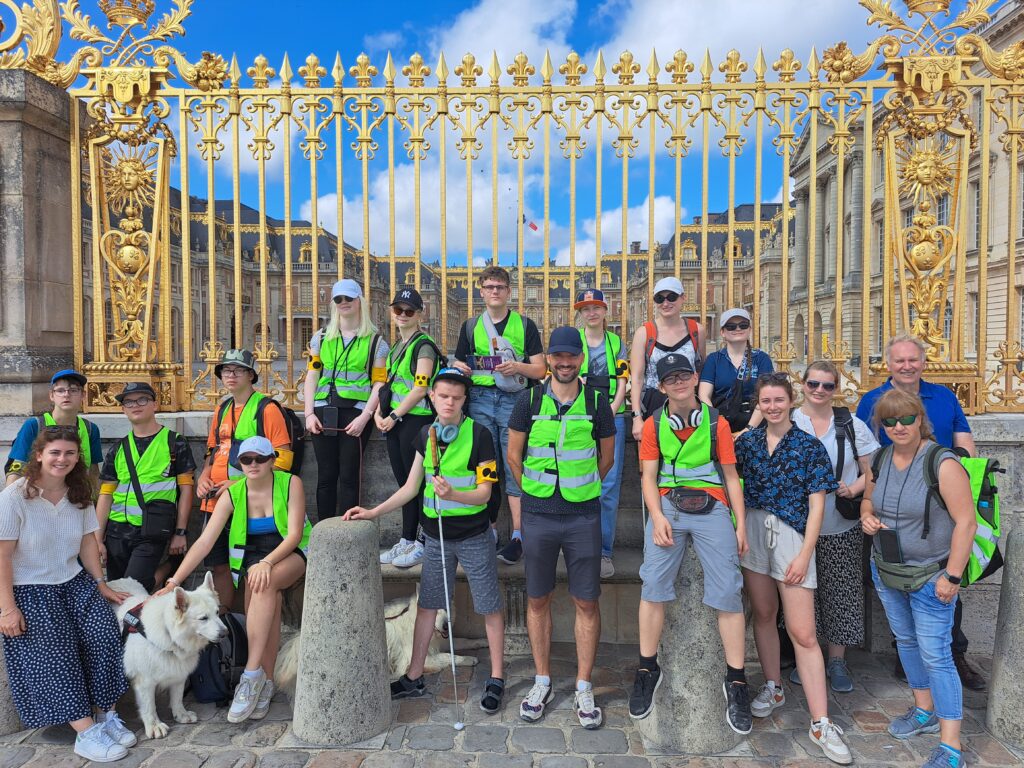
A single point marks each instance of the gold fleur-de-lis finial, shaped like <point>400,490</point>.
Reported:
<point>521,69</point>
<point>787,66</point>
<point>311,71</point>
<point>679,67</point>
<point>733,67</point>
<point>363,71</point>
<point>469,70</point>
<point>626,68</point>
<point>573,68</point>
<point>416,70</point>
<point>261,72</point>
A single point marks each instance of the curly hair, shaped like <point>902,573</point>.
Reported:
<point>77,480</point>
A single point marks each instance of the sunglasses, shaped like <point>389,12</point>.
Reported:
<point>245,461</point>
<point>906,421</point>
<point>775,377</point>
<point>399,312</point>
<point>668,296</point>
<point>343,299</point>
<point>137,402</point>
<point>828,386</point>
<point>736,326</point>
<point>62,429</point>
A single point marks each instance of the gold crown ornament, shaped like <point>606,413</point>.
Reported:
<point>126,13</point>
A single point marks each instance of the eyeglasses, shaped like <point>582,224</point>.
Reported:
<point>828,386</point>
<point>67,391</point>
<point>906,421</point>
<point>248,459</point>
<point>232,371</point>
<point>744,326</point>
<point>137,402</point>
<point>343,299</point>
<point>494,287</point>
<point>399,312</point>
<point>668,296</point>
<point>676,378</point>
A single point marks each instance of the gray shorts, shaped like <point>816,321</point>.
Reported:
<point>773,544</point>
<point>714,540</point>
<point>479,561</point>
<point>578,537</point>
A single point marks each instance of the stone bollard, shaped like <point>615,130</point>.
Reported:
<point>341,693</point>
<point>10,721</point>
<point>689,708</point>
<point>1005,717</point>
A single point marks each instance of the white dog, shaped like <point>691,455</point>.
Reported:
<point>176,626</point>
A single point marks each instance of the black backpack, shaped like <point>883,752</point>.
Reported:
<point>220,664</point>
<point>295,425</point>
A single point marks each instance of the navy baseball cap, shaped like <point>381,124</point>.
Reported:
<point>70,375</point>
<point>565,339</point>
<point>408,296</point>
<point>674,363</point>
<point>454,374</point>
<point>590,297</point>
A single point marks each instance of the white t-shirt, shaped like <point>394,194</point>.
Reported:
<point>866,445</point>
<point>49,535</point>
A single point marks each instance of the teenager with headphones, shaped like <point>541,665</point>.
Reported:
<point>689,482</point>
<point>458,491</point>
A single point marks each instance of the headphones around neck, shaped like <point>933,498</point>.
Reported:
<point>447,433</point>
<point>692,418</point>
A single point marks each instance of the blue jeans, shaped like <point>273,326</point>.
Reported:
<point>491,408</point>
<point>611,486</point>
<point>921,623</point>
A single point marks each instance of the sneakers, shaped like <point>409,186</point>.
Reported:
<point>247,694</point>
<point>607,568</point>
<point>641,700</point>
<point>412,556</point>
<point>943,758</point>
<point>494,692</point>
<point>404,688</point>
<point>737,712</point>
<point>588,713</point>
<point>263,701</point>
<point>829,737</point>
<point>914,721</point>
<point>838,675</point>
<point>400,548</point>
<point>532,708</point>
<point>511,552</point>
<point>768,699</point>
<point>970,678</point>
<point>116,729</point>
<point>97,745</point>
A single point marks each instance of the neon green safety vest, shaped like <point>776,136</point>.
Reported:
<point>515,335</point>
<point>612,350</point>
<point>456,470</point>
<point>239,530</point>
<point>561,449</point>
<point>346,367</point>
<point>246,426</point>
<point>692,465</point>
<point>83,437</point>
<point>153,468</point>
<point>401,372</point>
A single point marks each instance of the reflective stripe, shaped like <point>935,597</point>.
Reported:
<point>986,533</point>
<point>705,473</point>
<point>979,553</point>
<point>457,482</point>
<point>163,485</point>
<point>566,417</point>
<point>567,455</point>
<point>581,480</point>
<point>544,478</point>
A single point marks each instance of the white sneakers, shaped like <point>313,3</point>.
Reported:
<point>405,554</point>
<point>98,745</point>
<point>247,695</point>
<point>829,737</point>
<point>116,729</point>
<point>768,699</point>
<point>263,701</point>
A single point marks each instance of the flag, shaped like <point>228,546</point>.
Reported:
<point>533,226</point>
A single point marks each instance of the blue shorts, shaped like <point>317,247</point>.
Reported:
<point>490,407</point>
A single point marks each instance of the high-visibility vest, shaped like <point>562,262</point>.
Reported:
<point>456,470</point>
<point>155,478</point>
<point>402,374</point>
<point>239,531</point>
<point>347,368</point>
<point>514,333</point>
<point>561,449</point>
<point>687,464</point>
<point>612,350</point>
<point>85,454</point>
<point>246,427</point>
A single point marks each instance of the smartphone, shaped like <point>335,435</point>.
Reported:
<point>329,417</point>
<point>889,544</point>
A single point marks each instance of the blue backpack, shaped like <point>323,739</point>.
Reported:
<point>220,664</point>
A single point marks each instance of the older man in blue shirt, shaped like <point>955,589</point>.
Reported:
<point>905,357</point>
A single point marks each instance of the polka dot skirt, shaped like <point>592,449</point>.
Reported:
<point>70,658</point>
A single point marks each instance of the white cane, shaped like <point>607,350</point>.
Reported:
<point>459,725</point>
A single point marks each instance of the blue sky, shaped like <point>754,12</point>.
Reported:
<point>251,27</point>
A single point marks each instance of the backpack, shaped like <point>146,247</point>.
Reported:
<point>296,428</point>
<point>221,663</point>
<point>985,558</point>
<point>848,508</point>
<point>691,330</point>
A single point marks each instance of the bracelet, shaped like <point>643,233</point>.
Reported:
<point>264,560</point>
<point>307,415</point>
<point>954,580</point>
<point>172,580</point>
<point>181,531</point>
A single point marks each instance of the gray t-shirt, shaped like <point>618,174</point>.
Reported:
<point>598,364</point>
<point>899,501</point>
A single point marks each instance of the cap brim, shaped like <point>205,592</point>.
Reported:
<point>452,377</point>
<point>571,350</point>
<point>76,377</point>
<point>589,303</point>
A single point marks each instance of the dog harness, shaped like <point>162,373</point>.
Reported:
<point>132,623</point>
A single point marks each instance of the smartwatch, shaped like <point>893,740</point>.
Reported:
<point>181,531</point>
<point>394,417</point>
<point>951,578</point>
<point>636,413</point>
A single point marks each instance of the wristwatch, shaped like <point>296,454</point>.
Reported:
<point>181,531</point>
<point>394,417</point>
<point>951,578</point>
<point>636,414</point>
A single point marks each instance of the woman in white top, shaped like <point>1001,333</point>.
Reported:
<point>839,599</point>
<point>61,643</point>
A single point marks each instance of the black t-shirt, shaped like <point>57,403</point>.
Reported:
<point>184,463</point>
<point>459,527</point>
<point>531,337</point>
<point>604,423</point>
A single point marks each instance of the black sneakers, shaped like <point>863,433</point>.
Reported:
<point>737,713</point>
<point>641,700</point>
<point>512,552</point>
<point>404,688</point>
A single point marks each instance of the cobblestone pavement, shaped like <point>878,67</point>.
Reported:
<point>421,734</point>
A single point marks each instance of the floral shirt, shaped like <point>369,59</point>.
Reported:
<point>781,482</point>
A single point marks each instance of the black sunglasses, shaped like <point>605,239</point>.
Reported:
<point>399,311</point>
<point>736,326</point>
<point>775,377</point>
<point>245,461</point>
<point>906,421</point>
<point>343,299</point>
<point>62,429</point>
<point>669,296</point>
<point>828,386</point>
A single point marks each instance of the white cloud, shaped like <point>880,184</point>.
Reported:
<point>382,42</point>
<point>637,229</point>
<point>777,198</point>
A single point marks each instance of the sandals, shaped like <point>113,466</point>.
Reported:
<point>494,691</point>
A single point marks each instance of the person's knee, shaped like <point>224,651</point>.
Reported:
<point>539,604</point>
<point>588,608</point>
<point>765,612</point>
<point>803,637</point>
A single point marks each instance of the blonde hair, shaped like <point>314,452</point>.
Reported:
<point>825,366</point>
<point>366,325</point>
<point>896,403</point>
<point>906,338</point>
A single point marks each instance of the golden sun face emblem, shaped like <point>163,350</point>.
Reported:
<point>129,178</point>
<point>927,170</point>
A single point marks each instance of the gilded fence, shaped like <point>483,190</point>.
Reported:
<point>900,204</point>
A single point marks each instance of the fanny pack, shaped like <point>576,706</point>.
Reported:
<point>905,578</point>
<point>692,501</point>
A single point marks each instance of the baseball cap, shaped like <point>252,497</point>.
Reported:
<point>408,296</point>
<point>69,374</point>
<point>591,297</point>
<point>453,374</point>
<point>135,388</point>
<point>674,362</point>
<point>259,445</point>
<point>347,287</point>
<point>732,314</point>
<point>670,283</point>
<point>240,357</point>
<point>565,339</point>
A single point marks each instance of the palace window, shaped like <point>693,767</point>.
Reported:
<point>942,210</point>
<point>880,250</point>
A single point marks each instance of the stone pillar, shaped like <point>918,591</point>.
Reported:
<point>689,707</point>
<point>36,321</point>
<point>341,694</point>
<point>1005,718</point>
<point>799,273</point>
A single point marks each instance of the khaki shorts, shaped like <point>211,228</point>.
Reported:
<point>773,545</point>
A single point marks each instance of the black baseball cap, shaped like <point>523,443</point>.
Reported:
<point>454,374</point>
<point>674,362</point>
<point>565,339</point>
<point>408,296</point>
<point>135,388</point>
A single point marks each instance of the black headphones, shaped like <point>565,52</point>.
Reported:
<point>692,419</point>
<point>447,433</point>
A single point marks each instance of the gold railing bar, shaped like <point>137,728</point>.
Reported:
<point>867,238</point>
<point>981,332</point>
<point>234,110</point>
<point>77,276</point>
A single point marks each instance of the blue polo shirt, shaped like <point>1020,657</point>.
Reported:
<point>943,409</point>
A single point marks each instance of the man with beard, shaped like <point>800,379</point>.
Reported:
<point>561,445</point>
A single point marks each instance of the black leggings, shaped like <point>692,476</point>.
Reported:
<point>131,555</point>
<point>402,454</point>
<point>339,464</point>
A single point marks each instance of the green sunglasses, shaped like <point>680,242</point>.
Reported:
<point>906,421</point>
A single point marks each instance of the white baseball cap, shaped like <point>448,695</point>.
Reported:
<point>672,284</point>
<point>257,444</point>
<point>732,314</point>
<point>347,287</point>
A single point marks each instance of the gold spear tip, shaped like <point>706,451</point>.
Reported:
<point>652,66</point>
